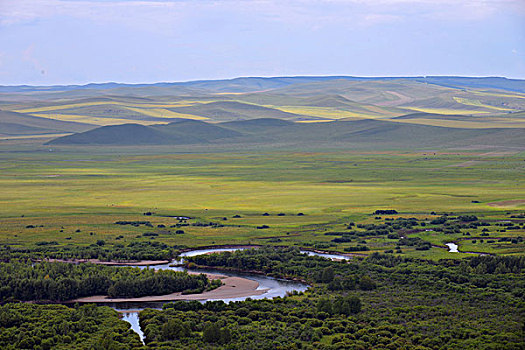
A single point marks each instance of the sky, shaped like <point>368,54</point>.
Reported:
<point>49,42</point>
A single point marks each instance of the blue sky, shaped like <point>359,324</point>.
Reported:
<point>45,42</point>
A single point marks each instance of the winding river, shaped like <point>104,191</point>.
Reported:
<point>274,287</point>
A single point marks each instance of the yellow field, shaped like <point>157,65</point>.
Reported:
<point>477,103</point>
<point>23,137</point>
<point>316,121</point>
<point>486,123</point>
<point>322,112</point>
<point>445,111</point>
<point>94,120</point>
<point>164,113</point>
<point>88,104</point>
<point>484,93</point>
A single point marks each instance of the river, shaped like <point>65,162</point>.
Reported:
<point>275,287</point>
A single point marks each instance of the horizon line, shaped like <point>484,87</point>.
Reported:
<point>266,77</point>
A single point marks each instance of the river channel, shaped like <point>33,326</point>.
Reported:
<point>274,287</point>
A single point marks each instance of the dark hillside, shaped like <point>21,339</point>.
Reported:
<point>126,134</point>
<point>378,133</point>
<point>197,129</point>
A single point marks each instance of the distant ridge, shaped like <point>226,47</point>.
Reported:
<point>247,84</point>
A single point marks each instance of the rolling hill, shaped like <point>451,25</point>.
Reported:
<point>127,134</point>
<point>454,102</point>
<point>272,132</point>
<point>233,110</point>
<point>199,131</point>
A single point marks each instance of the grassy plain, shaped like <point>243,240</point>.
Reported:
<point>75,195</point>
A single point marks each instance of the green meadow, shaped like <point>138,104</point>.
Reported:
<point>75,195</point>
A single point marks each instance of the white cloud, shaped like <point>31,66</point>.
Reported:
<point>378,18</point>
<point>165,13</point>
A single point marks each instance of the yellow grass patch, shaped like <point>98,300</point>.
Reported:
<point>164,113</point>
<point>478,103</point>
<point>321,112</point>
<point>88,104</point>
<point>94,120</point>
<point>316,121</point>
<point>485,93</point>
<point>481,124</point>
<point>59,107</point>
<point>445,110</point>
<point>40,136</point>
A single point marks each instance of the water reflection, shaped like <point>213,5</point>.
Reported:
<point>275,288</point>
<point>453,247</point>
<point>132,318</point>
<point>326,255</point>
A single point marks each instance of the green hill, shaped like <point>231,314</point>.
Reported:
<point>275,132</point>
<point>197,130</point>
<point>126,134</point>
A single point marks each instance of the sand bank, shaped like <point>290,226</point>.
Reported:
<point>113,262</point>
<point>233,287</point>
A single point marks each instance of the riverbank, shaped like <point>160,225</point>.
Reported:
<point>112,262</point>
<point>232,287</point>
<point>224,246</point>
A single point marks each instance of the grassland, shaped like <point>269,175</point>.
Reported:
<point>75,196</point>
<point>344,177</point>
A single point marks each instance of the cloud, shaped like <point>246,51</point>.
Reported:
<point>86,40</point>
<point>378,18</point>
<point>168,13</point>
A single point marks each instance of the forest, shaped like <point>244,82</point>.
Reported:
<point>45,327</point>
<point>53,281</point>
<point>380,302</point>
<point>136,250</point>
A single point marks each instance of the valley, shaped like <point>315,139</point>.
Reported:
<point>310,212</point>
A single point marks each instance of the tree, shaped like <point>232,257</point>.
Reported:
<point>354,304</point>
<point>327,275</point>
<point>211,333</point>
<point>225,336</point>
<point>366,283</point>
<point>175,329</point>
<point>324,305</point>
